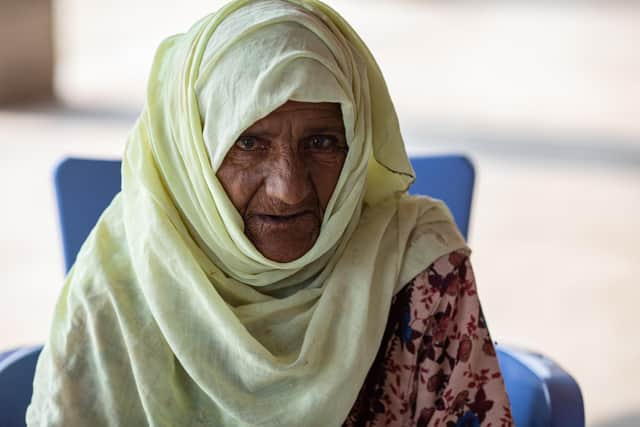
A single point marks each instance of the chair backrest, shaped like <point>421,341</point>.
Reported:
<point>16,384</point>
<point>541,393</point>
<point>84,188</point>
<point>449,178</point>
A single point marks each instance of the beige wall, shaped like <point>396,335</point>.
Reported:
<point>26,51</point>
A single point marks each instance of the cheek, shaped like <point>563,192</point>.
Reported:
<point>240,184</point>
<point>325,176</point>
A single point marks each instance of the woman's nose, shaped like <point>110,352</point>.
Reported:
<point>288,178</point>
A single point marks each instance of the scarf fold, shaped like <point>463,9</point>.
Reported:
<point>170,316</point>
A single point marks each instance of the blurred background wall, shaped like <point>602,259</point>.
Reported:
<point>26,51</point>
<point>545,97</point>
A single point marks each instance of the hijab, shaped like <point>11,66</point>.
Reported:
<point>170,316</point>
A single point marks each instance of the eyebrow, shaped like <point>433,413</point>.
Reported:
<point>258,131</point>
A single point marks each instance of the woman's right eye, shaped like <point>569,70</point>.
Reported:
<point>247,143</point>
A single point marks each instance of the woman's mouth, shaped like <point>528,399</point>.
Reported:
<point>283,220</point>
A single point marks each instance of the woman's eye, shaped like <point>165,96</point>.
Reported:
<point>247,143</point>
<point>322,142</point>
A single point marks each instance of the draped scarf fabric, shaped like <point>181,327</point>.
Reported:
<point>170,316</point>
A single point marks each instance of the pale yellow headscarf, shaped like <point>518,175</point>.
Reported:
<point>170,316</point>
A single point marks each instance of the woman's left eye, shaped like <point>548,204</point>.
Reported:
<point>321,142</point>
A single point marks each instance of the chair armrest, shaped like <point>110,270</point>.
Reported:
<point>6,353</point>
<point>540,391</point>
<point>16,384</point>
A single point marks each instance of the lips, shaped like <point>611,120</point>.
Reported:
<point>283,220</point>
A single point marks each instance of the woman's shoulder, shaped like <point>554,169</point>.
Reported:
<point>454,261</point>
<point>436,364</point>
<point>449,275</point>
<point>432,235</point>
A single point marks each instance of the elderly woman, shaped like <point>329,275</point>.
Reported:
<point>263,264</point>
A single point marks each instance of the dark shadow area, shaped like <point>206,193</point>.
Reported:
<point>631,419</point>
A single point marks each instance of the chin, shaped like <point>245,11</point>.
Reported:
<point>283,242</point>
<point>283,246</point>
<point>284,250</point>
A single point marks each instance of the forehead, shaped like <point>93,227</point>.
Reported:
<point>325,112</point>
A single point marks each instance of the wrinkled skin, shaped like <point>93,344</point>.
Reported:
<point>280,175</point>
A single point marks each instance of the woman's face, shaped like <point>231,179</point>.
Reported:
<point>281,173</point>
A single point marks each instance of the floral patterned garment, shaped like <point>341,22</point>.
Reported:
<point>436,365</point>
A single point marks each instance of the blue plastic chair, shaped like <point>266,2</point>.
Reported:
<point>84,188</point>
<point>541,393</point>
<point>5,354</point>
<point>16,384</point>
<point>450,179</point>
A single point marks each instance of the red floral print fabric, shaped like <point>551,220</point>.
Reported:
<point>437,365</point>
